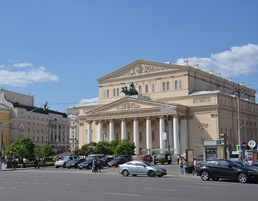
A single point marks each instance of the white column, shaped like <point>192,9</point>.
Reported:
<point>100,135</point>
<point>107,134</point>
<point>89,131</point>
<point>161,131</point>
<point>123,129</point>
<point>148,134</point>
<point>183,134</point>
<point>136,136</point>
<point>176,135</point>
<point>111,130</point>
<point>170,130</point>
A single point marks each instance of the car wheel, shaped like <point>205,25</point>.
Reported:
<point>151,173</point>
<point>125,173</point>
<point>160,175</point>
<point>215,178</point>
<point>242,178</point>
<point>205,176</point>
<point>57,167</point>
<point>134,175</point>
<point>89,167</point>
<point>80,168</point>
<point>68,167</point>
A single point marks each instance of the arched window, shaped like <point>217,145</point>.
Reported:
<point>107,93</point>
<point>140,89</point>
<point>146,88</point>
<point>180,84</point>
<point>153,87</point>
<point>176,84</point>
<point>104,93</point>
<point>168,86</point>
<point>117,91</point>
<point>164,86</point>
<point>114,92</point>
<point>128,136</point>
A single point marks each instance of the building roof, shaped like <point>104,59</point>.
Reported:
<point>39,110</point>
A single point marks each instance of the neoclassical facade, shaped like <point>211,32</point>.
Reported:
<point>198,106</point>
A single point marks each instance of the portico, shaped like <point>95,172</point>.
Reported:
<point>139,121</point>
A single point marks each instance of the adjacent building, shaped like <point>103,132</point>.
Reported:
<point>177,106</point>
<point>22,119</point>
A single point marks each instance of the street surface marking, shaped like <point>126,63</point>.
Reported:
<point>159,189</point>
<point>193,186</point>
<point>120,194</point>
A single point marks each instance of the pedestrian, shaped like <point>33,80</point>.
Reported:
<point>186,167</point>
<point>98,165</point>
<point>178,159</point>
<point>169,159</point>
<point>181,166</point>
<point>194,166</point>
<point>94,165</point>
<point>153,158</point>
<point>36,163</point>
<point>24,162</point>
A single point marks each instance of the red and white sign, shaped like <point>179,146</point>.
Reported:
<point>243,145</point>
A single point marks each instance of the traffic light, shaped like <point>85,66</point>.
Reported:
<point>223,139</point>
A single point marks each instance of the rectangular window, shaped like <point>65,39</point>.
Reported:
<point>153,87</point>
<point>140,136</point>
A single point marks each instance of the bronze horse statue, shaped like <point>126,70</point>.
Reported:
<point>131,91</point>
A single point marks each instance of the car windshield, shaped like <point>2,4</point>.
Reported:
<point>65,158</point>
<point>148,164</point>
<point>236,164</point>
<point>160,156</point>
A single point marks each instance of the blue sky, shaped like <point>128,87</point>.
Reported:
<point>58,49</point>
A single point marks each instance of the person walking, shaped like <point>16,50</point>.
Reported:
<point>186,167</point>
<point>24,162</point>
<point>36,163</point>
<point>181,166</point>
<point>194,166</point>
<point>178,159</point>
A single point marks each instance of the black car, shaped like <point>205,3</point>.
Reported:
<point>221,168</point>
<point>88,164</point>
<point>127,157</point>
<point>74,163</point>
<point>106,160</point>
<point>161,156</point>
<point>117,161</point>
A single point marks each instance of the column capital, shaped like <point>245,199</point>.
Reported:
<point>111,120</point>
<point>148,117</point>
<point>135,118</point>
<point>89,121</point>
<point>161,117</point>
<point>122,119</point>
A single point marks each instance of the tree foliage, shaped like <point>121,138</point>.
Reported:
<point>23,147</point>
<point>114,147</point>
<point>47,150</point>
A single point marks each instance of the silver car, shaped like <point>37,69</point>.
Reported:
<point>141,168</point>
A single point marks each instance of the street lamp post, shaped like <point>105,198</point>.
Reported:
<point>238,91</point>
<point>45,107</point>
<point>167,109</point>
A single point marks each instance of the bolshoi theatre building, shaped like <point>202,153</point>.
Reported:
<point>177,106</point>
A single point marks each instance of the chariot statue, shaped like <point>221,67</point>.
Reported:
<point>132,91</point>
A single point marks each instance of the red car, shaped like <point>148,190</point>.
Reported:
<point>144,157</point>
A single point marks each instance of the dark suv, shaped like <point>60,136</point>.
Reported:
<point>221,168</point>
<point>160,156</point>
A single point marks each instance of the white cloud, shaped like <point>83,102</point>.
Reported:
<point>23,78</point>
<point>22,65</point>
<point>234,62</point>
<point>2,66</point>
<point>91,101</point>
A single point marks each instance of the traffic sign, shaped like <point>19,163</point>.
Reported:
<point>238,148</point>
<point>243,145</point>
<point>251,143</point>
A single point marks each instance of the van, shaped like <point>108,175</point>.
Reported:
<point>92,156</point>
<point>234,156</point>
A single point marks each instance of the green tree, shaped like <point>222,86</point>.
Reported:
<point>104,147</point>
<point>23,147</point>
<point>47,150</point>
<point>124,147</point>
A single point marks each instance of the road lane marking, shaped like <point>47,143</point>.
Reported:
<point>183,186</point>
<point>120,194</point>
<point>158,189</point>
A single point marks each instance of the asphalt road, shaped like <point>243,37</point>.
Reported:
<point>51,184</point>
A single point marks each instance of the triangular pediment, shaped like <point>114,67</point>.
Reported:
<point>141,67</point>
<point>125,105</point>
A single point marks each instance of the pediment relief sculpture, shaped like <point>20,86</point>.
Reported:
<point>127,106</point>
<point>142,69</point>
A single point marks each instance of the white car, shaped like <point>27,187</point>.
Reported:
<point>62,162</point>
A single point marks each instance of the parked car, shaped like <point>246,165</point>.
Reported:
<point>86,164</point>
<point>117,161</point>
<point>221,168</point>
<point>141,168</point>
<point>127,157</point>
<point>106,160</point>
<point>92,156</point>
<point>160,156</point>
<point>144,157</point>
<point>62,162</point>
<point>74,163</point>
